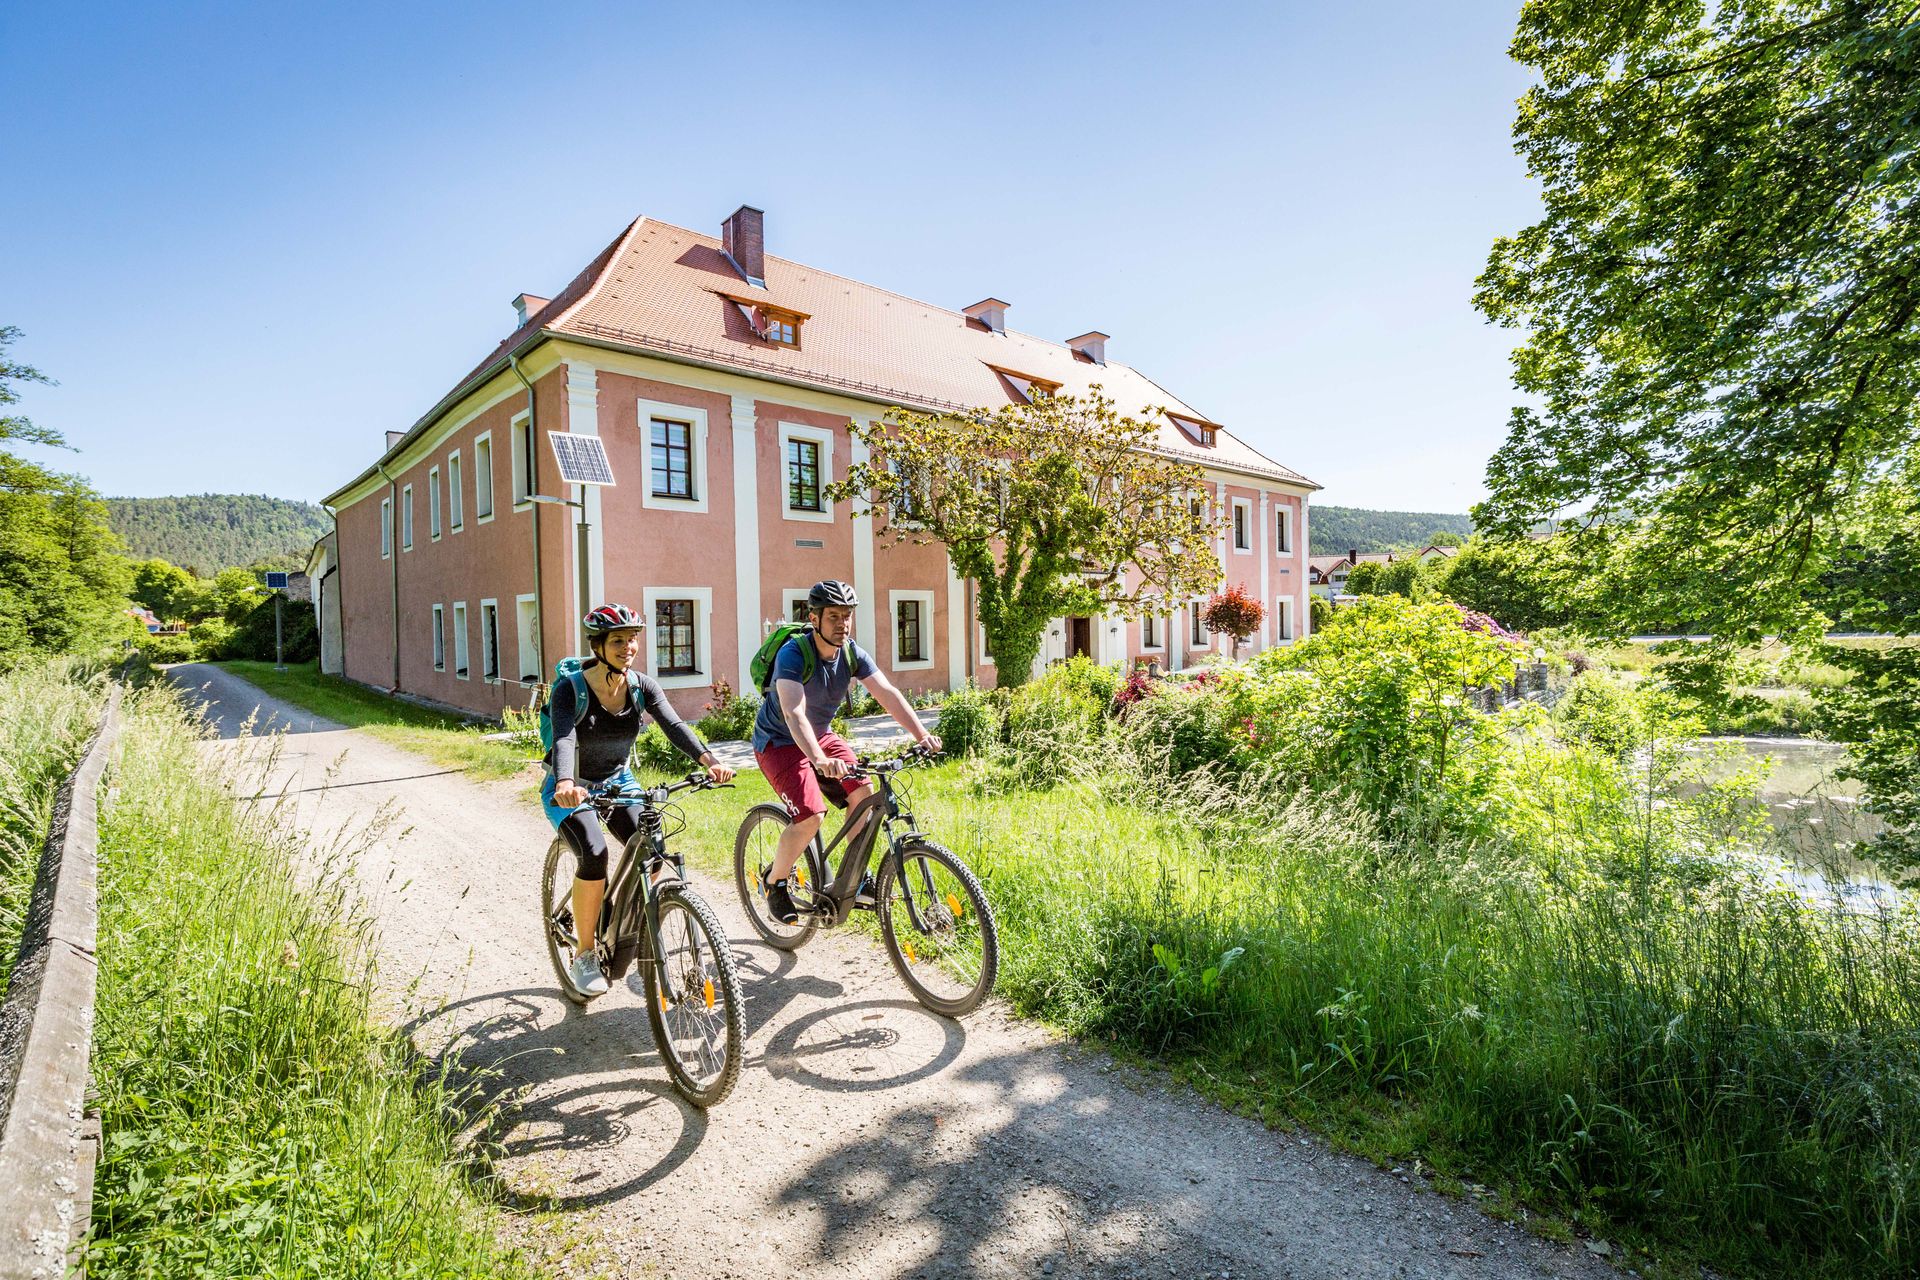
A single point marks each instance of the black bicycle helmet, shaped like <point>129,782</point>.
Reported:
<point>610,617</point>
<point>832,592</point>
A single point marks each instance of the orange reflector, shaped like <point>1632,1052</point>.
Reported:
<point>911,958</point>
<point>709,995</point>
<point>954,903</point>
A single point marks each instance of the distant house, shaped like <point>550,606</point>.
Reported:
<point>723,382</point>
<point>1439,553</point>
<point>1327,575</point>
<point>146,619</point>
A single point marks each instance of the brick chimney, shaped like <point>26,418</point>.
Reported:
<point>744,237</point>
<point>525,305</point>
<point>990,312</point>
<point>1092,345</point>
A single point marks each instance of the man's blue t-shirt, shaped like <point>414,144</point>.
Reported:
<point>825,692</point>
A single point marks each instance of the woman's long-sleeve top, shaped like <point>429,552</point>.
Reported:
<point>591,745</point>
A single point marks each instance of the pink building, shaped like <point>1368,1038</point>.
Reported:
<point>722,382</point>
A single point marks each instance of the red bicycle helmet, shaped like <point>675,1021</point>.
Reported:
<point>610,617</point>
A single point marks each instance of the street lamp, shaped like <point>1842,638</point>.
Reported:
<point>580,550</point>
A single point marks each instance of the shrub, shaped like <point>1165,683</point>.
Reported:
<point>1177,728</point>
<point>173,648</point>
<point>652,751</point>
<point>1319,612</point>
<point>1055,725</point>
<point>729,716</point>
<point>971,721</point>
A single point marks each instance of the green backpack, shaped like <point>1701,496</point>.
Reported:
<point>761,668</point>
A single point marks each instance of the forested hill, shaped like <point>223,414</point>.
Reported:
<point>207,532</point>
<point>1332,530</point>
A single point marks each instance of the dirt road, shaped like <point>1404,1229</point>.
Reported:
<point>867,1138</point>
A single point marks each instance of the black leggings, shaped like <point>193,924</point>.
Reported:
<point>582,830</point>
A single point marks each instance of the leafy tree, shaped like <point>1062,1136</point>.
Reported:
<point>212,531</point>
<point>167,589</point>
<point>1364,578</point>
<point>62,581</point>
<point>1235,613</point>
<point>232,594</point>
<point>1720,302</point>
<point>1511,581</point>
<point>1409,576</point>
<point>1061,506</point>
<point>1319,612</point>
<point>1442,538</point>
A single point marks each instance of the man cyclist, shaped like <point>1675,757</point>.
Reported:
<point>591,744</point>
<point>793,743</point>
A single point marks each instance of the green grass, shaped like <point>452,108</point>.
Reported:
<point>47,712</point>
<point>445,739</point>
<point>257,1120</point>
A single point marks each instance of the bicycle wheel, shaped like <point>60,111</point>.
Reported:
<point>938,927</point>
<point>698,1026</point>
<point>753,853</point>
<point>556,914</point>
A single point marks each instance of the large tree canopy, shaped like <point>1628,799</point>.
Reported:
<point>1720,304</point>
<point>1061,506</point>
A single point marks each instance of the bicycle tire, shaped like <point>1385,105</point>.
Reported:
<point>724,976</point>
<point>890,911</point>
<point>748,852</point>
<point>556,901</point>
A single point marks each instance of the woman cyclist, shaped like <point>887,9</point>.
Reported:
<point>591,744</point>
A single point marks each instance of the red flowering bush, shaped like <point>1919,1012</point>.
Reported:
<point>1235,613</point>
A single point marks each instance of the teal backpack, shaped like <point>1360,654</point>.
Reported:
<point>761,668</point>
<point>570,670</point>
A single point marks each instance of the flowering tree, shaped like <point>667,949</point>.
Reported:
<point>1051,508</point>
<point>1235,613</point>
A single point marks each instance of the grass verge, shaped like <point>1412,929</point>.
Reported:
<point>258,1122</point>
<point>445,739</point>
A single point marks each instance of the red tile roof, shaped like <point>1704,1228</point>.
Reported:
<point>665,290</point>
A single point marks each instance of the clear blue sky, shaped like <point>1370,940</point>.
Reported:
<point>247,240</point>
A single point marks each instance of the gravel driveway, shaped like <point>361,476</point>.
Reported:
<point>867,1138</point>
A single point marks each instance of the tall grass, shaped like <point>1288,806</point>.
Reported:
<point>257,1121</point>
<point>47,712</point>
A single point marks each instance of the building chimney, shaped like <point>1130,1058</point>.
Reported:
<point>990,312</point>
<point>1353,555</point>
<point>525,305</point>
<point>744,237</point>
<point>1091,345</point>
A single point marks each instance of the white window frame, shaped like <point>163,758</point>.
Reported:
<point>483,443</point>
<point>1195,627</point>
<point>788,597</point>
<point>461,670</point>
<point>386,527</point>
<point>1237,522</point>
<point>790,431</point>
<point>1283,531</point>
<point>1283,618</point>
<point>456,501</point>
<point>702,598</point>
<point>406,517</point>
<point>439,637</point>
<point>927,629</point>
<point>520,432</point>
<point>1147,642</point>
<point>697,446</point>
<point>981,657</point>
<point>433,504</point>
<point>526,642</point>
<point>490,651</point>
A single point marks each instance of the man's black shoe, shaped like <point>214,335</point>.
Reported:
<point>780,902</point>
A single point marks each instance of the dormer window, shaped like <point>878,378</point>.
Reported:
<point>775,326</point>
<point>1200,432</point>
<point>1025,388</point>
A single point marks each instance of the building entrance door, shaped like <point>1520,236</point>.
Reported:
<point>1080,637</point>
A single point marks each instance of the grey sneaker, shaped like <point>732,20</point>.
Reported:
<point>587,978</point>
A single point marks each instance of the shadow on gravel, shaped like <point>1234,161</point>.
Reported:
<point>612,1089</point>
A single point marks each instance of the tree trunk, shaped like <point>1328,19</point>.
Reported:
<point>1013,653</point>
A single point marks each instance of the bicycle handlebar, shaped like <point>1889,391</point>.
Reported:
<point>701,780</point>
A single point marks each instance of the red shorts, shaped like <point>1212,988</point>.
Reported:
<point>795,781</point>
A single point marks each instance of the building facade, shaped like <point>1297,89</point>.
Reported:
<point>723,384</point>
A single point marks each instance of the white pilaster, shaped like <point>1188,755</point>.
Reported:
<point>746,536</point>
<point>866,618</point>
<point>1297,582</point>
<point>1264,545</point>
<point>956,629</point>
<point>583,419</point>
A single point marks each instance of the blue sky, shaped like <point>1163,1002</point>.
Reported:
<point>247,240</point>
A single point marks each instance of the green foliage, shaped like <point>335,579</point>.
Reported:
<point>1337,530</point>
<point>1511,581</point>
<point>1879,713</point>
<point>213,531</point>
<point>1176,729</point>
<point>1056,725</point>
<point>252,636</point>
<point>1599,711</point>
<point>971,721</point>
<point>729,717</point>
<point>1319,611</point>
<point>259,1120</point>
<point>652,752</point>
<point>1407,576</point>
<point>1057,507</point>
<point>1721,352</point>
<point>166,589</point>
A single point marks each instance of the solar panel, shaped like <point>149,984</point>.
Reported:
<point>276,581</point>
<point>582,459</point>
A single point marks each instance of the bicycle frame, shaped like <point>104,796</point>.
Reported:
<point>834,901</point>
<point>625,911</point>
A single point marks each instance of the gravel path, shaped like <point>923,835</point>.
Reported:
<point>867,1138</point>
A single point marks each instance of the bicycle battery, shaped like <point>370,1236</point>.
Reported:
<point>624,954</point>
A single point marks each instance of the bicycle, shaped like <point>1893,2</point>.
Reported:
<point>935,920</point>
<point>692,985</point>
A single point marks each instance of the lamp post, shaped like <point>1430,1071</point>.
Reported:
<point>580,548</point>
